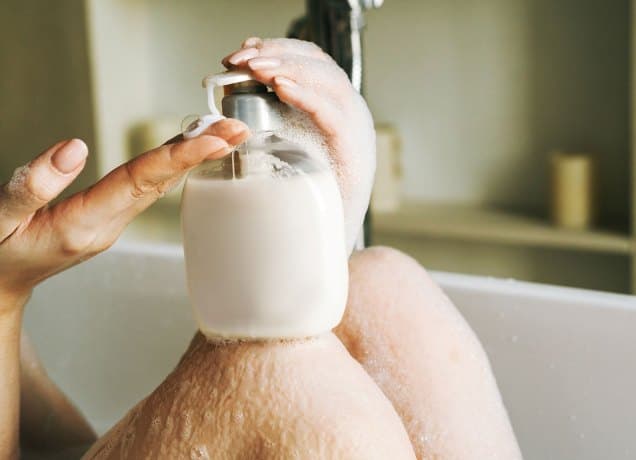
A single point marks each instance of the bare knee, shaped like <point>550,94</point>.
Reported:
<point>392,297</point>
<point>384,256</point>
<point>385,281</point>
<point>414,343</point>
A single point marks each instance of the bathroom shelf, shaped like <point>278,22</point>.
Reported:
<point>492,225</point>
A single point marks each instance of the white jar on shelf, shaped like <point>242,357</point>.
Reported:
<point>573,201</point>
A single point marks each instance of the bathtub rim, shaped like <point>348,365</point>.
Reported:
<point>453,281</point>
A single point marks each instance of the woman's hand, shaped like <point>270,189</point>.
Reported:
<point>37,241</point>
<point>305,77</point>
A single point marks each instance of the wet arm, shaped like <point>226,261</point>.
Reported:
<point>48,419</point>
<point>10,322</point>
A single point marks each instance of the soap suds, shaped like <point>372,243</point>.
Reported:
<point>199,453</point>
<point>16,187</point>
<point>299,129</point>
<point>255,162</point>
<point>17,184</point>
<point>353,165</point>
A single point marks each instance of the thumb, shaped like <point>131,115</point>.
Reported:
<point>37,183</point>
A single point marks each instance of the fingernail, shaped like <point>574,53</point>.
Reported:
<point>243,55</point>
<point>226,150</point>
<point>252,42</point>
<point>69,156</point>
<point>263,63</point>
<point>283,81</point>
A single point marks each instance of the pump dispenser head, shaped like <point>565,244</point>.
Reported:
<point>244,99</point>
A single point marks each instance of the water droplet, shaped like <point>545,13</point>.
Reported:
<point>155,425</point>
<point>169,424</point>
<point>186,429</point>
<point>238,416</point>
<point>199,453</point>
<point>127,442</point>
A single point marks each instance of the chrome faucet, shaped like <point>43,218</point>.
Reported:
<point>336,26</point>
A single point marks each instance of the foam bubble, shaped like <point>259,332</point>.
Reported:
<point>258,163</point>
<point>353,168</point>
<point>155,426</point>
<point>300,129</point>
<point>199,453</point>
<point>16,187</point>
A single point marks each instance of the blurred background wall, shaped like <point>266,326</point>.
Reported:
<point>479,91</point>
<point>482,90</point>
<point>45,84</point>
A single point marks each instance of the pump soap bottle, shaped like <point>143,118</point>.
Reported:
<point>263,228</point>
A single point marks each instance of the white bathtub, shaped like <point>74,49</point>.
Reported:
<point>565,359</point>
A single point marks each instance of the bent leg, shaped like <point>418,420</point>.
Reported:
<point>262,400</point>
<point>423,355</point>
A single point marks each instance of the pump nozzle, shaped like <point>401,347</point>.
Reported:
<point>226,78</point>
<point>209,83</point>
<point>245,99</point>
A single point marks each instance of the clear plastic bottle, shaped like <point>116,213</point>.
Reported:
<point>264,242</point>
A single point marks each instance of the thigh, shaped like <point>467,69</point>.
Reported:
<point>300,399</point>
<point>424,356</point>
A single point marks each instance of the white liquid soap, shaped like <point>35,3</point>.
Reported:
<point>265,252</point>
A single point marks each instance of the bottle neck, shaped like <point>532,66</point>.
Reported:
<point>259,110</point>
<point>245,87</point>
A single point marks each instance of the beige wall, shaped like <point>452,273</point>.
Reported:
<point>44,81</point>
<point>120,67</point>
<point>480,89</point>
<point>483,89</point>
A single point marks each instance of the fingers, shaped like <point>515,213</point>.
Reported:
<point>137,184</point>
<point>34,185</point>
<point>254,47</point>
<point>328,79</point>
<point>233,131</point>
<point>323,113</point>
<point>300,82</point>
<point>252,42</point>
<point>93,219</point>
<point>301,74</point>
